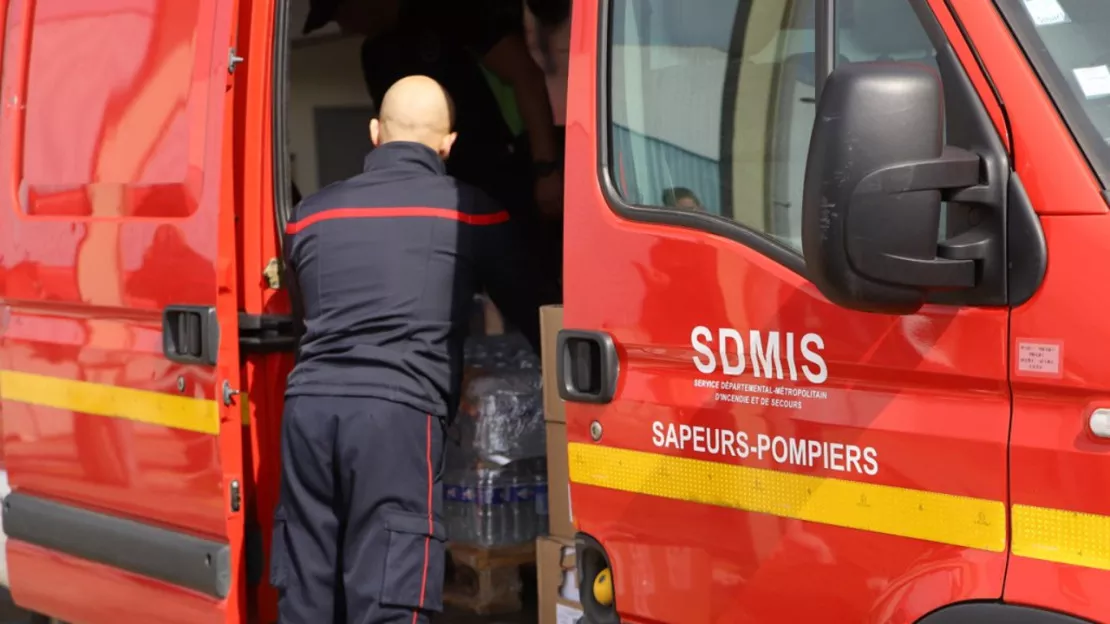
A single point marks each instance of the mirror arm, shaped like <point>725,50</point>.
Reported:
<point>919,272</point>
<point>956,169</point>
<point>970,245</point>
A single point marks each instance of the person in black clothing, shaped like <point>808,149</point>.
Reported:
<point>508,143</point>
<point>383,268</point>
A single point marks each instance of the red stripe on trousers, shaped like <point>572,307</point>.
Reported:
<point>431,521</point>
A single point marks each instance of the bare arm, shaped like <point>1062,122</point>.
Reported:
<point>512,62</point>
<point>508,273</point>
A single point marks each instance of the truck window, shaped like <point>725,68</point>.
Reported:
<point>1065,42</point>
<point>711,102</point>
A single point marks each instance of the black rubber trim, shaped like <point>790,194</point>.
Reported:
<point>184,560</point>
<point>1026,246</point>
<point>997,613</point>
<point>713,224</point>
<point>825,33</point>
<point>728,122</point>
<point>283,196</point>
<point>254,553</point>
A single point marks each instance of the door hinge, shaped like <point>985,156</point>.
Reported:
<point>233,60</point>
<point>266,333</point>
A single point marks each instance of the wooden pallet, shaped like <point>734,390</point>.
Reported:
<point>487,581</point>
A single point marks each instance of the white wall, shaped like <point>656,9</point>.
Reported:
<point>324,73</point>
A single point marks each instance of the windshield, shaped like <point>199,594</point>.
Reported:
<point>1067,43</point>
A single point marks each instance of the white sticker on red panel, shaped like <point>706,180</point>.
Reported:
<point>1040,357</point>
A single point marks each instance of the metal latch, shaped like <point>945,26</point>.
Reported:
<point>229,393</point>
<point>272,274</point>
<point>233,60</point>
<point>266,333</point>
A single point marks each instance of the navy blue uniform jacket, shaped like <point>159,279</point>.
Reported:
<point>385,266</point>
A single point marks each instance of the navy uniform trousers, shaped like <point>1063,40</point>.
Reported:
<point>358,533</point>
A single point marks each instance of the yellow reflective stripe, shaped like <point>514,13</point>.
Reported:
<point>943,518</point>
<point>155,408</point>
<point>1061,536</point>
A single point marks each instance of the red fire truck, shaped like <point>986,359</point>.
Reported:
<point>826,354</point>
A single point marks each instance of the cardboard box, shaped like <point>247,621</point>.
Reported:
<point>559,514</point>
<point>561,520</point>
<point>551,321</point>
<point>556,583</point>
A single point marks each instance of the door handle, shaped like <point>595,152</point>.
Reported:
<point>587,366</point>
<point>190,334</point>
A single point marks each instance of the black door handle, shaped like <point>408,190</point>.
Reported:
<point>586,365</point>
<point>190,334</point>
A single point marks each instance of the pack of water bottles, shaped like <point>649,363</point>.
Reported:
<point>495,487</point>
<point>500,418</point>
<point>496,506</point>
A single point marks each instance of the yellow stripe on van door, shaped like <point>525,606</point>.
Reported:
<point>1061,536</point>
<point>942,518</point>
<point>155,408</point>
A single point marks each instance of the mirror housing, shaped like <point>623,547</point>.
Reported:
<point>877,173</point>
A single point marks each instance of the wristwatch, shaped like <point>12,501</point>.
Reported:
<point>544,168</point>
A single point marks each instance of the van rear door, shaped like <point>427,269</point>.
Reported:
<point>118,352</point>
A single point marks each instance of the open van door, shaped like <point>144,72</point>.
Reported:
<point>736,439</point>
<point>119,363</point>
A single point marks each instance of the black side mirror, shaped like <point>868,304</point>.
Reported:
<point>876,175</point>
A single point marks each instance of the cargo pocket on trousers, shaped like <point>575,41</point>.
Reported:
<point>278,558</point>
<point>414,562</point>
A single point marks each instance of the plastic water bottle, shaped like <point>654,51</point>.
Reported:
<point>464,509</point>
<point>452,512</point>
<point>489,506</point>
<point>539,485</point>
<point>523,507</point>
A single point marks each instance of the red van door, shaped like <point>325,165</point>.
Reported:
<point>741,448</point>
<point>118,352</point>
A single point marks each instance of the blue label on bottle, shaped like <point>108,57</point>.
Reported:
<point>522,494</point>
<point>490,496</point>
<point>541,500</point>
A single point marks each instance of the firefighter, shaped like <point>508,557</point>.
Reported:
<point>383,268</point>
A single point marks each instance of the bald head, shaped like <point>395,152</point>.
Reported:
<point>415,109</point>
